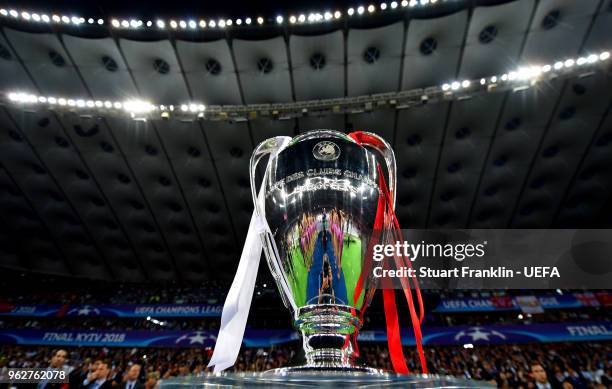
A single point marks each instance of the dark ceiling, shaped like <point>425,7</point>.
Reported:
<point>105,196</point>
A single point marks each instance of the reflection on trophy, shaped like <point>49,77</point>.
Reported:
<point>319,197</point>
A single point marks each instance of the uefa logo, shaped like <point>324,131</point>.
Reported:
<point>326,151</point>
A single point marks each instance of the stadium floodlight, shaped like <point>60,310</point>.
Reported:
<point>592,58</point>
<point>138,106</point>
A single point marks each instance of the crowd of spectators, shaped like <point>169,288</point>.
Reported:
<point>560,365</point>
<point>51,290</point>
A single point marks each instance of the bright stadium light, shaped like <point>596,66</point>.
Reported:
<point>137,106</point>
<point>279,19</point>
<point>592,58</point>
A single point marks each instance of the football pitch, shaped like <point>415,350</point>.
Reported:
<point>351,268</point>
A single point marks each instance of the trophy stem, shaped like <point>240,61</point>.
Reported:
<point>327,334</point>
<point>327,331</point>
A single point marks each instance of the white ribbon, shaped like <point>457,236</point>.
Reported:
<point>238,302</point>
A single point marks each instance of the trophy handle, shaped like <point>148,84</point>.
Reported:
<point>269,147</point>
<point>384,148</point>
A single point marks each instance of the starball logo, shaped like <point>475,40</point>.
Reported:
<point>326,151</point>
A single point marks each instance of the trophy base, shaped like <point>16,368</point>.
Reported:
<point>297,370</point>
<point>319,379</point>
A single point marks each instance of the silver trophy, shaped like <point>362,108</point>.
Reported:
<point>319,197</point>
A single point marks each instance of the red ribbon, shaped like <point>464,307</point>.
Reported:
<point>387,221</point>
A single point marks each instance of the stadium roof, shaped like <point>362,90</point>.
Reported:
<point>102,193</point>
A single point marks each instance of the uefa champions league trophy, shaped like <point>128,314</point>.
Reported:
<point>319,197</point>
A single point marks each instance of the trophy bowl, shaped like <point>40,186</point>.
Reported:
<point>319,198</point>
